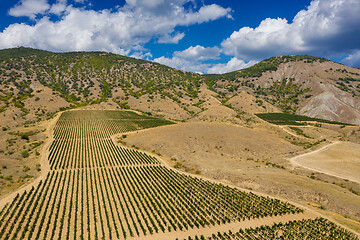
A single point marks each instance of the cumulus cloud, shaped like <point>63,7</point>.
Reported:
<point>29,8</point>
<point>233,65</point>
<point>183,64</point>
<point>198,53</point>
<point>353,60</point>
<point>123,30</point>
<point>325,28</point>
<point>195,59</point>
<point>59,7</point>
<point>175,38</point>
<point>191,59</point>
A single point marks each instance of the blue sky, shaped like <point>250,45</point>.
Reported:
<point>205,36</point>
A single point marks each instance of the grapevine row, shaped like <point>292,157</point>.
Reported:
<point>319,229</point>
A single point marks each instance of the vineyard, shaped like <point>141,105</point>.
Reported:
<point>293,119</point>
<point>319,229</point>
<point>99,190</point>
<point>82,139</point>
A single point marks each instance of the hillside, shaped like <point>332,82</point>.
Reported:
<point>309,86</point>
<point>34,84</point>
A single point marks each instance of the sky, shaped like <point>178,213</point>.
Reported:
<point>203,36</point>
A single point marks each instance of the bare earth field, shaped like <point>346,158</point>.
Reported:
<point>340,159</point>
<point>215,145</point>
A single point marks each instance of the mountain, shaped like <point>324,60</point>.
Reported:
<point>34,84</point>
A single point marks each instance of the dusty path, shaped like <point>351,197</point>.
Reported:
<point>45,167</point>
<point>296,161</point>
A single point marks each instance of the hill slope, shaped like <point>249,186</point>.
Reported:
<point>305,85</point>
<point>34,84</point>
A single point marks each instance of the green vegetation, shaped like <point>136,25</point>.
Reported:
<point>319,228</point>
<point>293,119</point>
<point>299,131</point>
<point>307,145</point>
<point>109,123</point>
<point>72,75</point>
<point>20,52</point>
<point>24,135</point>
<point>25,154</point>
<point>284,94</point>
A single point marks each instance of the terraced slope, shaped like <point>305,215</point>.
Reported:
<point>96,189</point>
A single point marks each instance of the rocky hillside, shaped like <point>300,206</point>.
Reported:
<point>34,84</point>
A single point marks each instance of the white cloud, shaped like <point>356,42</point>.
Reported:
<point>198,53</point>
<point>29,8</point>
<point>233,65</point>
<point>175,38</point>
<point>59,7</point>
<point>182,64</point>
<point>141,55</point>
<point>325,28</point>
<point>208,13</point>
<point>122,31</point>
<point>194,59</point>
<point>353,60</point>
<point>191,59</point>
